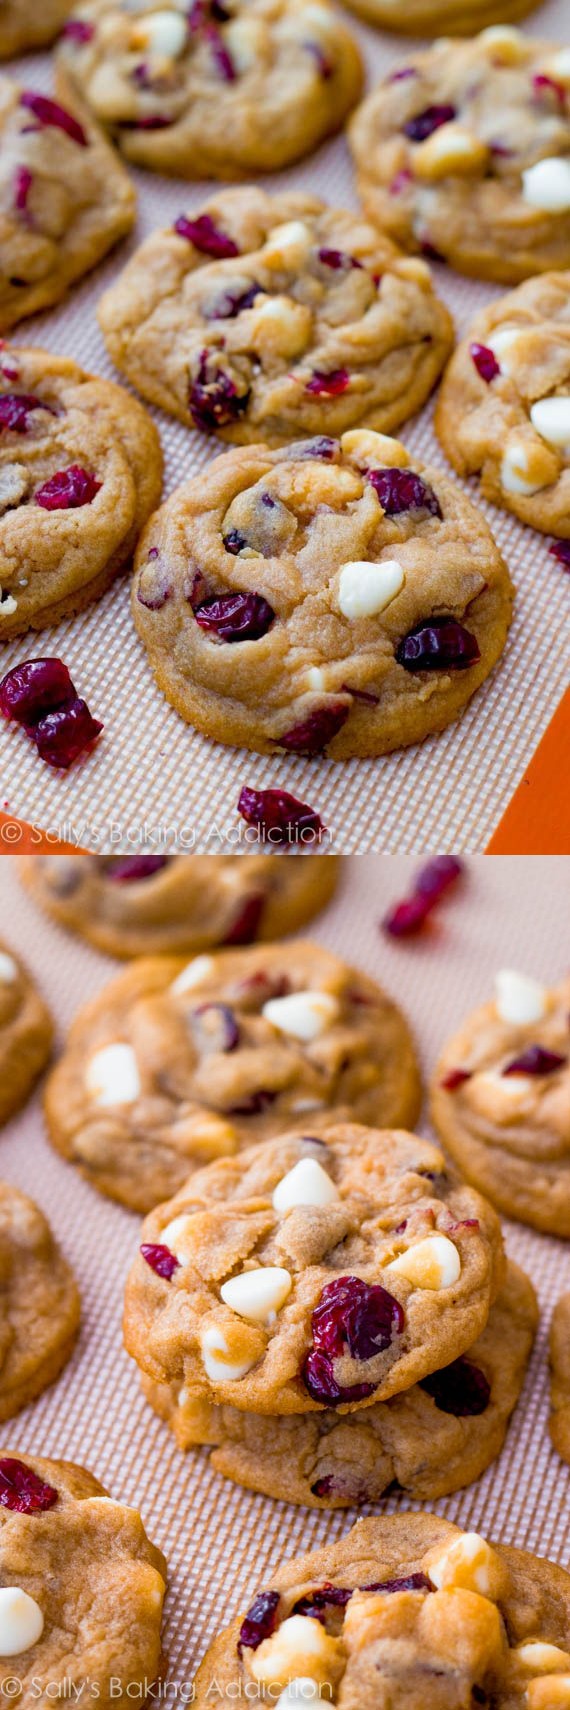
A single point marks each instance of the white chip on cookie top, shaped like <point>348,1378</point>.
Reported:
<point>518,998</point>
<point>288,246</point>
<point>8,969</point>
<point>551,418</point>
<point>175,1237</point>
<point>112,1075</point>
<point>216,1355</point>
<point>306,1184</point>
<point>21,1621</point>
<point>505,42</point>
<point>526,467</point>
<point>432,1263</point>
<point>258,1294</point>
<point>546,185</point>
<point>541,1658</point>
<point>468,1562</point>
<point>364,447</point>
<point>194,974</point>
<point>302,1690</point>
<point>303,1015</point>
<point>300,1643</point>
<point>365,589</point>
<point>161,32</point>
<point>549,1692</point>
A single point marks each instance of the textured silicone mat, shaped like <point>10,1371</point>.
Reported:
<point>151,771</point>
<point>222,1543</point>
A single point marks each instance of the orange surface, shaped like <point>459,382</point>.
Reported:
<point>17,838</point>
<point>537,820</point>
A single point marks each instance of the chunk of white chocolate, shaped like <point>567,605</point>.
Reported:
<point>469,1563</point>
<point>21,1621</point>
<point>366,448</point>
<point>304,1015</point>
<point>306,1184</point>
<point>303,1690</point>
<point>258,1295</point>
<point>549,1692</point>
<point>112,1075</point>
<point>518,471</point>
<point>288,245</point>
<point>194,974</point>
<point>162,32</point>
<point>299,1642</point>
<point>8,969</point>
<point>217,1361</point>
<point>432,1263</point>
<point>546,185</point>
<point>551,418</point>
<point>175,1237</point>
<point>365,589</point>
<point>541,1658</point>
<point>518,998</point>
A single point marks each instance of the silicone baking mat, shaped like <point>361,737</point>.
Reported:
<point>221,1542</point>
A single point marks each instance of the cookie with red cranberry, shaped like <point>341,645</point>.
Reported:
<point>430,1440</point>
<point>559,1423</point>
<point>40,1304</point>
<point>80,472</point>
<point>24,25</point>
<point>317,1271</point>
<point>26,1033</point>
<point>83,1587</point>
<point>503,412</point>
<point>464,153</point>
<point>67,200</point>
<point>176,1063</point>
<point>270,317</point>
<point>129,905</point>
<point>404,1611</point>
<point>212,90</point>
<point>439,17</point>
<point>334,595</point>
<point>501,1101</point>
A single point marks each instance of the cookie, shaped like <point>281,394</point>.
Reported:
<point>501,1101</point>
<point>559,1423</point>
<point>439,17</point>
<point>40,1304</point>
<point>127,905</point>
<point>429,1440</point>
<point>270,317</point>
<point>225,92</point>
<point>313,1272</point>
<point>503,412</point>
<point>68,199</point>
<point>328,596</point>
<point>174,1064</point>
<point>69,442</point>
<point>25,25</point>
<point>82,1588</point>
<point>463,153</point>
<point>410,1612</point>
<point>26,1033</point>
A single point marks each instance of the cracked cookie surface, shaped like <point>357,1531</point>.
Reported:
<point>175,1064</point>
<point>465,153</point>
<point>26,1032</point>
<point>25,25</point>
<point>317,1271</point>
<point>213,89</point>
<point>40,1303</point>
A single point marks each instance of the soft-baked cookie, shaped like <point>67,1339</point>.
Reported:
<point>410,1613</point>
<point>439,17</point>
<point>174,1064</point>
<point>66,199</point>
<point>464,153</point>
<point>129,905</point>
<point>503,412</point>
<point>70,443</point>
<point>429,1440</point>
<point>212,89</point>
<point>40,1307</point>
<point>26,1032</point>
<point>25,24</point>
<point>270,317</point>
<point>501,1101</point>
<point>82,1588</point>
<point>330,595</point>
<point>559,1422</point>
<point>313,1272</point>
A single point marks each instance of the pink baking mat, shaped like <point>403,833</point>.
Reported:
<point>222,1543</point>
<point>151,771</point>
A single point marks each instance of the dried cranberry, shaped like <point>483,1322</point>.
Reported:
<point>325,66</point>
<point>34,688</point>
<point>215,1027</point>
<point>406,71</point>
<point>77,30</point>
<point>331,384</point>
<point>255,1104</point>
<point>437,876</point>
<point>247,922</point>
<point>51,113</point>
<point>406,917</point>
<point>234,542</point>
<point>318,1378</point>
<point>485,362</point>
<point>425,123</point>
<point>22,1490</point>
<point>320,446</point>
<point>23,180</point>
<point>15,407</point>
<point>561,550</point>
<point>327,1597</point>
<point>160,1259</point>
<point>442,644</point>
<point>410,1582</point>
<point>400,490</point>
<point>228,304</point>
<point>318,729</point>
<point>461,1389</point>
<point>206,236</point>
<point>66,733</point>
<point>455,1078</point>
<point>357,1315</point>
<point>68,490</point>
<point>235,617</point>
<point>549,86</point>
<point>338,259</point>
<point>214,399</point>
<point>220,54</point>
<point>126,868</point>
<point>535,1060</point>
<point>281,818</point>
<point>260,1621</point>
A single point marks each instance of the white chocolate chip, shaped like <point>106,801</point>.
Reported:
<point>112,1075</point>
<point>546,185</point>
<point>518,998</point>
<point>14,482</point>
<point>288,246</point>
<point>280,326</point>
<point>163,33</point>
<point>21,1621</point>
<point>550,1692</point>
<point>217,1362</point>
<point>452,149</point>
<point>541,1658</point>
<point>504,340</point>
<point>258,1295</point>
<point>299,1691</point>
<point>506,43</point>
<point>306,1184</point>
<point>432,1263</point>
<point>366,589</point>
<point>175,1237</point>
<point>194,974</point>
<point>558,66</point>
<point>304,1015</point>
<point>468,1563</point>
<point>316,678</point>
<point>8,605</point>
<point>298,1642</point>
<point>517,475</point>
<point>8,969</point>
<point>551,418</point>
<point>366,448</point>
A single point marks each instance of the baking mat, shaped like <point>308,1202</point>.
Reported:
<point>221,1542</point>
<point>151,772</point>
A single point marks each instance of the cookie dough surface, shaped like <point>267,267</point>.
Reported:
<point>501,1101</point>
<point>503,412</point>
<point>439,17</point>
<point>174,1064</point>
<point>430,1440</point>
<point>80,472</point>
<point>40,1303</point>
<point>314,1271</point>
<point>411,1612</point>
<point>309,322</point>
<point>24,24</point>
<point>26,1033</point>
<point>332,595</point>
<point>86,1620</point>
<point>559,1423</point>
<point>465,153</point>
<point>67,199</point>
<point>129,906</point>
<point>224,92</point>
